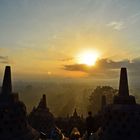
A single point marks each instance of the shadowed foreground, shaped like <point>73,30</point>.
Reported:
<point>117,121</point>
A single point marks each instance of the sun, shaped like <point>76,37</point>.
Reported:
<point>88,58</point>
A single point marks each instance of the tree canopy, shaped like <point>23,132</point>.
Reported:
<point>96,96</point>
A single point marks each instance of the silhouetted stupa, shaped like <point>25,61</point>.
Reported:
<point>7,84</point>
<point>13,120</point>
<point>76,121</point>
<point>121,120</point>
<point>123,96</point>
<point>75,115</point>
<point>41,118</point>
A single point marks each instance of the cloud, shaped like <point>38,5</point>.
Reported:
<point>4,59</point>
<point>133,18</point>
<point>77,67</point>
<point>101,64</point>
<point>116,25</point>
<point>67,59</point>
<point>107,68</point>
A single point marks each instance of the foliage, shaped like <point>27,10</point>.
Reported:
<point>96,96</point>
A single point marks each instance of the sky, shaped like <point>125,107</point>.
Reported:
<point>42,38</point>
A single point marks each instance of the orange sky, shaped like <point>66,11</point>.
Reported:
<point>41,38</point>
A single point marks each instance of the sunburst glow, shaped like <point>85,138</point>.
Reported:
<point>89,58</point>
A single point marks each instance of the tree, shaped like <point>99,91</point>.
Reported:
<point>96,96</point>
